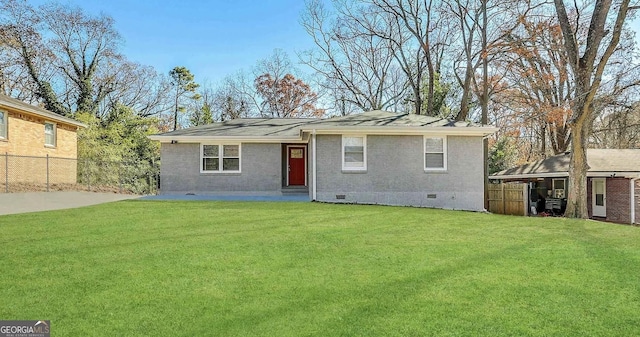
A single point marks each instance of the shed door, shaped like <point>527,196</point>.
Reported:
<point>599,197</point>
<point>296,157</point>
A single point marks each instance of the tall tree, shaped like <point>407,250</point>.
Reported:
<point>618,129</point>
<point>588,63</point>
<point>15,80</point>
<point>481,27</point>
<point>183,83</point>
<point>234,98</point>
<point>139,87</point>
<point>355,56</point>
<point>20,31</point>
<point>417,19</point>
<point>537,68</point>
<point>540,83</point>
<point>84,44</point>
<point>238,95</point>
<point>202,115</point>
<point>287,97</point>
<point>65,51</point>
<point>203,112</point>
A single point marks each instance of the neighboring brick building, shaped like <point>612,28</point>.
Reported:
<point>613,183</point>
<point>29,131</point>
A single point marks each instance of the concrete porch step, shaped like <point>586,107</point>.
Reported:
<point>295,190</point>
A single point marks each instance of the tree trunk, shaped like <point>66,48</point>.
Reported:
<point>466,97</point>
<point>430,96</point>
<point>543,145</point>
<point>418,101</point>
<point>485,103</point>
<point>85,97</point>
<point>466,89</point>
<point>175,112</point>
<point>588,76</point>
<point>578,167</point>
<point>431,85</point>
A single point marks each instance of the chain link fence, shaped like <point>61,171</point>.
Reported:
<point>44,174</point>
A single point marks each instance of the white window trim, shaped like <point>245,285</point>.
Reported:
<point>553,187</point>
<point>424,154</point>
<point>6,125</point>
<point>55,134</point>
<point>364,153</point>
<point>220,158</point>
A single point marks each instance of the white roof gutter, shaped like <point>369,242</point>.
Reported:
<point>530,175</point>
<point>611,174</point>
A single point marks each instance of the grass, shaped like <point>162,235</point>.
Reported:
<point>155,268</point>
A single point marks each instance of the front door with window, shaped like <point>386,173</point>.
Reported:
<point>296,162</point>
<point>599,197</point>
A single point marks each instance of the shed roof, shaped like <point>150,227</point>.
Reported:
<point>16,104</point>
<point>599,160</point>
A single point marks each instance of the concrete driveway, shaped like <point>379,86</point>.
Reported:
<point>12,203</point>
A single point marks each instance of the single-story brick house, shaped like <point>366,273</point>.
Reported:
<point>375,157</point>
<point>613,183</point>
<point>28,134</point>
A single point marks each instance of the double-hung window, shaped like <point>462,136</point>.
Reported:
<point>49,134</point>
<point>215,158</point>
<point>3,124</point>
<point>354,153</point>
<point>435,153</point>
<point>558,188</point>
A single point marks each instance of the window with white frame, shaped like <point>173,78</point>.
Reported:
<point>219,158</point>
<point>558,188</point>
<point>49,134</point>
<point>354,153</point>
<point>435,153</point>
<point>3,124</point>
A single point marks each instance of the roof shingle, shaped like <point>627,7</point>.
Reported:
<point>599,160</point>
<point>291,127</point>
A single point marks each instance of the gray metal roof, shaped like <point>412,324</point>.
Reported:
<point>291,127</point>
<point>12,103</point>
<point>599,160</point>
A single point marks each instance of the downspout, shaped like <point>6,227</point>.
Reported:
<point>313,178</point>
<point>632,183</point>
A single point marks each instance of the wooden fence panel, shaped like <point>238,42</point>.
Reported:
<point>495,198</point>
<point>508,198</point>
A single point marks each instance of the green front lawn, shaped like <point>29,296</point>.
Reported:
<point>307,269</point>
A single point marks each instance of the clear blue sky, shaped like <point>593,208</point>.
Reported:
<point>211,38</point>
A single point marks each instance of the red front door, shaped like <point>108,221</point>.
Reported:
<point>297,163</point>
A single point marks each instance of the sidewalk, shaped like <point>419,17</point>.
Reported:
<point>13,203</point>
